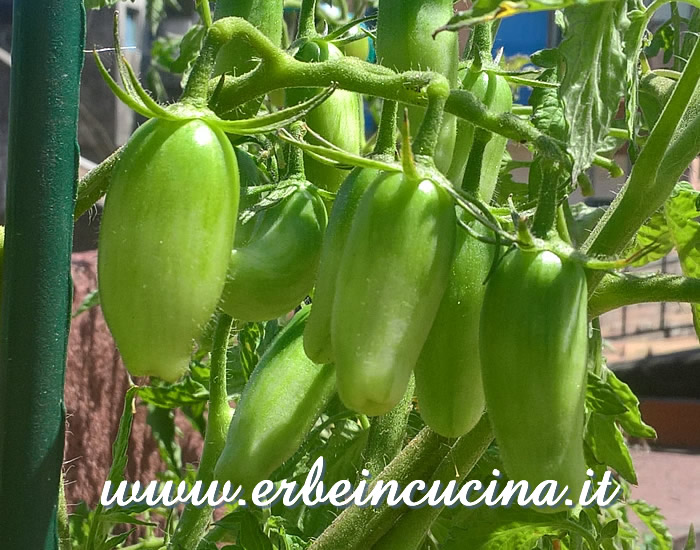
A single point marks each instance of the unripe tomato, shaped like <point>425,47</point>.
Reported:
<point>448,371</point>
<point>317,335</point>
<point>165,241</point>
<point>405,43</point>
<point>391,279</point>
<point>533,345</point>
<point>493,90</point>
<point>280,404</point>
<point>274,269</point>
<point>339,119</point>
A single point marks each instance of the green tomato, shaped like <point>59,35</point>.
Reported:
<point>533,345</point>
<point>165,241</point>
<point>274,269</point>
<point>284,397</point>
<point>338,120</point>
<point>317,336</point>
<point>448,371</point>
<point>391,279</point>
<point>493,90</point>
<point>405,43</point>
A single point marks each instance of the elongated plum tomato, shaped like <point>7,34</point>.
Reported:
<point>533,344</point>
<point>391,279</point>
<point>273,269</point>
<point>165,241</point>
<point>284,397</point>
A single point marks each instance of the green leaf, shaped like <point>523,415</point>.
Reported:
<point>591,88</point>
<point>682,216</point>
<point>548,113</point>
<point>170,396</point>
<point>608,446</point>
<point>487,10</point>
<point>162,423</point>
<point>690,543</point>
<point>654,233</point>
<point>610,529</point>
<point>91,300</point>
<point>498,528</point>
<point>252,536</point>
<point>653,519</point>
<point>602,398</point>
<point>631,421</point>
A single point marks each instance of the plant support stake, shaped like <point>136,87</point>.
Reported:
<point>47,57</point>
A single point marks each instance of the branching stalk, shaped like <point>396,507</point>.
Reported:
<point>195,521</point>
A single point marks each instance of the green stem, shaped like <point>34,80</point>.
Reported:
<point>359,528</point>
<point>615,291</point>
<point>669,149</point>
<point>195,521</point>
<point>295,156</point>
<point>307,19</point>
<point>280,70</point>
<point>471,180</point>
<point>545,214</point>
<point>410,530</point>
<point>387,433</point>
<point>481,43</point>
<point>64,540</point>
<point>385,145</point>
<point>95,184</point>
<point>429,132</point>
<point>205,13</point>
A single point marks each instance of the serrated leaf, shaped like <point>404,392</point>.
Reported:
<point>591,88</point>
<point>682,217</point>
<point>631,421</point>
<point>170,396</point>
<point>498,528</point>
<point>602,398</point>
<point>654,233</point>
<point>548,110</point>
<point>653,519</point>
<point>488,10</point>
<point>162,423</point>
<point>608,446</point>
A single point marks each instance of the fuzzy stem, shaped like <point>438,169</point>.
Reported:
<point>295,156</point>
<point>307,19</point>
<point>387,433</point>
<point>615,291</point>
<point>386,134</point>
<point>409,532</point>
<point>359,528</point>
<point>429,132</point>
<point>194,522</point>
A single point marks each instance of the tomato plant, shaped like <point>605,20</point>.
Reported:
<point>330,279</point>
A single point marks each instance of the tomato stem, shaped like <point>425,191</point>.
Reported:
<point>307,19</point>
<point>385,145</point>
<point>195,521</point>
<point>429,132</point>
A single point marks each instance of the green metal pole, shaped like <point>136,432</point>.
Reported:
<point>47,57</point>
